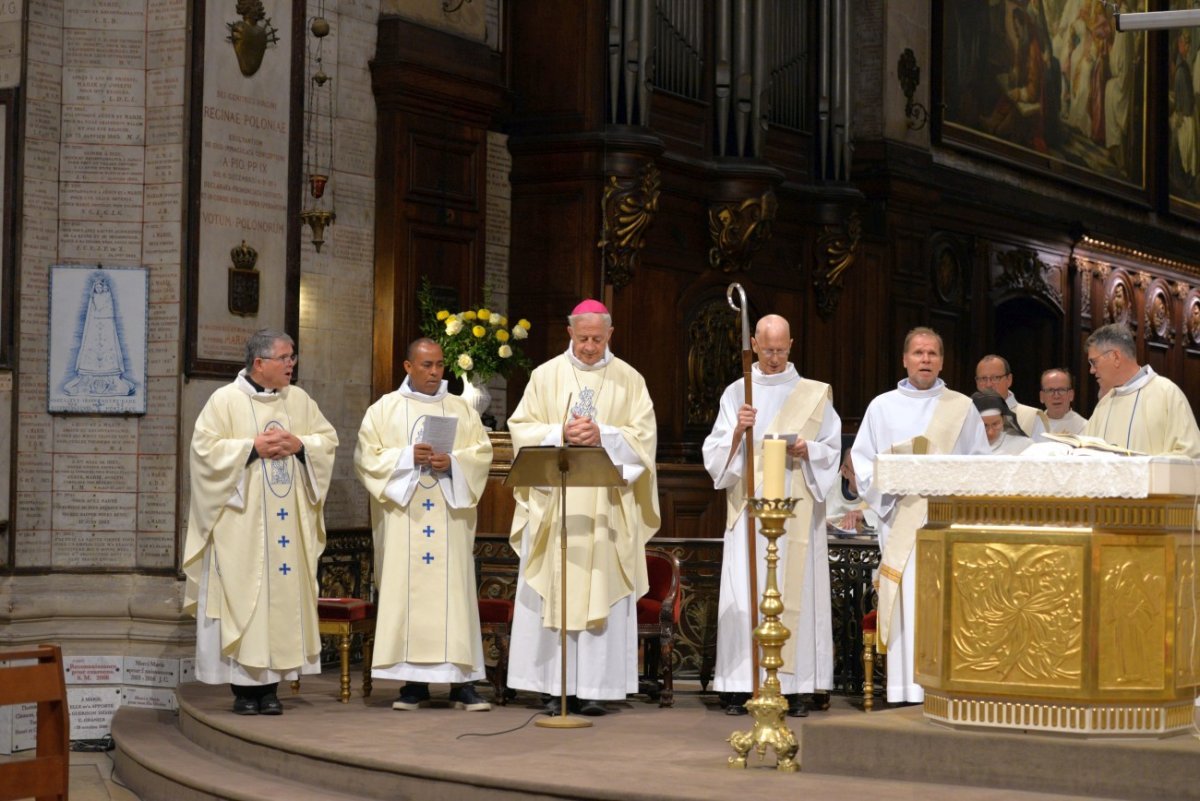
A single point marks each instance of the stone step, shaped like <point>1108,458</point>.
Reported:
<point>157,762</point>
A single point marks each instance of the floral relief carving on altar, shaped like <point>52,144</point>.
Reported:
<point>1018,613</point>
<point>1187,670</point>
<point>1132,621</point>
<point>929,585</point>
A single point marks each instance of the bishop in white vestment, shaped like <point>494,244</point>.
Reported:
<point>921,405</point>
<point>606,405</point>
<point>261,462</point>
<point>423,510</point>
<point>784,404</point>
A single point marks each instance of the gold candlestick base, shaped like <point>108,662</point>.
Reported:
<point>769,707</point>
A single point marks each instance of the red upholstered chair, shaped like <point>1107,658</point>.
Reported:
<point>495,618</point>
<point>658,617</point>
<point>343,618</point>
<point>869,628</point>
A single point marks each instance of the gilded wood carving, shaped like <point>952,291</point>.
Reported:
<point>628,207</point>
<point>739,230</point>
<point>837,248</point>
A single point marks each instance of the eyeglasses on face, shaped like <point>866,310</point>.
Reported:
<point>290,358</point>
<point>1092,361</point>
<point>1056,390</point>
<point>990,379</point>
<point>771,353</point>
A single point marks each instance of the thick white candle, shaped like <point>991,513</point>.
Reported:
<point>774,459</point>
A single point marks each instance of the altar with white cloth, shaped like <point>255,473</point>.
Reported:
<point>1056,593</point>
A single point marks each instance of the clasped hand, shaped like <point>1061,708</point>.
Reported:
<point>423,456</point>
<point>581,431</point>
<point>276,443</point>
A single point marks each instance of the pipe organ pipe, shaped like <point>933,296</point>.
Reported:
<point>759,79</point>
<point>742,69</point>
<point>614,58</point>
<point>723,88</point>
<point>645,59</point>
<point>629,73</point>
<point>847,67</point>
<point>823,60</point>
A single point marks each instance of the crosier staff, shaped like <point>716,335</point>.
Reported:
<point>751,550</point>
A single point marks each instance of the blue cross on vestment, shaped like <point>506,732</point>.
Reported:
<point>428,531</point>
<point>283,541</point>
<point>428,504</point>
<point>428,557</point>
<point>281,514</point>
<point>284,569</point>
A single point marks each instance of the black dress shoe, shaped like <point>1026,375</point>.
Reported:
<point>269,705</point>
<point>736,703</point>
<point>796,706</point>
<point>245,706</point>
<point>593,709</point>
<point>735,709</point>
<point>552,704</point>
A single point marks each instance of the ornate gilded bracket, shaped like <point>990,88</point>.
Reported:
<point>910,77</point>
<point>837,248</point>
<point>1024,273</point>
<point>628,207</point>
<point>738,230</point>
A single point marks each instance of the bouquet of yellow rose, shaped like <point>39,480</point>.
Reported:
<point>479,342</point>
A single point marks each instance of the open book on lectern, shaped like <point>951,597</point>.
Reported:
<point>563,466</point>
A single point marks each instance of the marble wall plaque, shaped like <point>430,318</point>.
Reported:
<point>95,472</point>
<point>117,87</point>
<point>156,512</point>
<point>156,549</point>
<point>149,698</point>
<point>93,669</point>
<point>35,472</point>
<point>44,120</point>
<point>92,710</point>
<point>163,203</point>
<point>111,125</point>
<point>166,14</point>
<point>103,164</point>
<point>41,163</point>
<point>166,48</point>
<point>49,12</point>
<point>156,472</point>
<point>114,50</point>
<point>109,244</point>
<point>164,125</point>
<point>45,43</point>
<point>106,15</point>
<point>100,202</point>
<point>35,509</point>
<point>33,546</point>
<point>165,87</point>
<point>44,81</point>
<point>161,243</point>
<point>243,182</point>
<point>151,671</point>
<point>95,435</point>
<point>104,549</point>
<point>85,513</point>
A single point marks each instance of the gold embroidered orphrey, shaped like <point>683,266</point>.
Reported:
<point>251,35</point>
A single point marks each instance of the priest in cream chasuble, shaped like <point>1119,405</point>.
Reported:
<point>585,396</point>
<point>261,461</point>
<point>1144,411</point>
<point>423,510</point>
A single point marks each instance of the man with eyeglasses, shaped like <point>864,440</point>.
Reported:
<point>1057,395</point>
<point>994,373</point>
<point>784,404</point>
<point>424,493</point>
<point>946,422</point>
<point>1142,411</point>
<point>261,462</point>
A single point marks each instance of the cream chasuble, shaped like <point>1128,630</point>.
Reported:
<point>607,528</point>
<point>256,531</point>
<point>424,531</point>
<point>786,404</point>
<point>1148,414</point>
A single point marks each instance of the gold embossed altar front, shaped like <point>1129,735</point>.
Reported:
<point>1046,603</point>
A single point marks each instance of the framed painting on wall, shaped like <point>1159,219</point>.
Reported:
<point>1051,86</point>
<point>1183,117</point>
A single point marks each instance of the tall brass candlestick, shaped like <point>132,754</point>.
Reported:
<point>769,707</point>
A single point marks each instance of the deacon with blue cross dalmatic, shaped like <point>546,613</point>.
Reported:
<point>261,462</point>
<point>423,502</point>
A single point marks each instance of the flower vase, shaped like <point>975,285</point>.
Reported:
<point>475,393</point>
